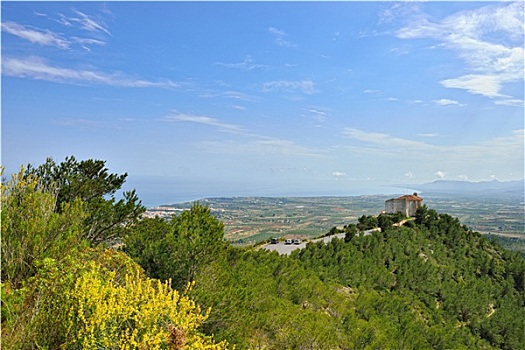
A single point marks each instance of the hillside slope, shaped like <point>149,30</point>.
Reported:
<point>431,284</point>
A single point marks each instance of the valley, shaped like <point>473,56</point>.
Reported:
<point>248,220</point>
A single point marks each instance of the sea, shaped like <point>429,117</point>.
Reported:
<point>154,191</point>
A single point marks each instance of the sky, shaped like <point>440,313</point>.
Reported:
<point>266,98</point>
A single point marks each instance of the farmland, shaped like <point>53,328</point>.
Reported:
<point>249,220</point>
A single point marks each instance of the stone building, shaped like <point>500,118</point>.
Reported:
<point>405,204</point>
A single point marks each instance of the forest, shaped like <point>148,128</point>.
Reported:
<point>82,269</point>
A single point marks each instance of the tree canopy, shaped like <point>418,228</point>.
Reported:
<point>90,182</point>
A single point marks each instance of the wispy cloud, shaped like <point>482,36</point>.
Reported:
<point>317,115</point>
<point>498,149</point>
<point>231,94</point>
<point>486,85</point>
<point>37,68</point>
<point>428,135</point>
<point>511,102</point>
<point>96,29</point>
<point>447,102</point>
<point>247,65</point>
<point>85,22</point>
<point>205,120</point>
<point>307,87</point>
<point>280,38</point>
<point>471,34</point>
<point>35,36</point>
<point>382,139</point>
<point>79,123</point>
<point>248,142</point>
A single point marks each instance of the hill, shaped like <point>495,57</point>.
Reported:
<point>430,284</point>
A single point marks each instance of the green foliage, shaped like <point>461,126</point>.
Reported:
<point>385,222</point>
<point>263,300</point>
<point>38,313</point>
<point>90,181</point>
<point>350,232</point>
<point>464,285</point>
<point>178,248</point>
<point>433,285</point>
<point>99,299</point>
<point>367,222</point>
<point>58,293</point>
<point>31,228</point>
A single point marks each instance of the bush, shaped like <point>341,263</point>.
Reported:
<point>79,304</point>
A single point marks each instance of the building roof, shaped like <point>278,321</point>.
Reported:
<point>411,197</point>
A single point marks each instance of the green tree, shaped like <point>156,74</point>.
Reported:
<point>177,248</point>
<point>90,181</point>
<point>32,229</point>
<point>385,222</point>
<point>350,232</point>
<point>367,222</point>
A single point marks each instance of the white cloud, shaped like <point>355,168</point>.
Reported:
<point>198,119</point>
<point>383,139</point>
<point>496,153</point>
<point>510,102</point>
<point>36,36</point>
<point>247,143</point>
<point>409,175</point>
<point>47,37</point>
<point>87,41</point>
<point>318,116</point>
<point>246,65</point>
<point>236,95</point>
<point>276,31</point>
<point>440,174</point>
<point>79,123</point>
<point>279,37</point>
<point>86,22</point>
<point>463,177</point>
<point>447,102</point>
<point>486,85</point>
<point>307,87</point>
<point>237,107</point>
<point>338,174</point>
<point>37,68</point>
<point>489,39</point>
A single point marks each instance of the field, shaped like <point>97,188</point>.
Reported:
<point>249,220</point>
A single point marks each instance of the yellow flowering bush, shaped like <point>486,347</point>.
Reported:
<point>99,299</point>
<point>140,313</point>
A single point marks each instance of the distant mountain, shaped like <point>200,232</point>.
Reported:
<point>466,187</point>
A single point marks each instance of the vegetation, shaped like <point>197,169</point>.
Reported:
<point>90,182</point>
<point>177,249</point>
<point>429,283</point>
<point>61,290</point>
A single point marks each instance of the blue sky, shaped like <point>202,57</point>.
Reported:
<point>267,97</point>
